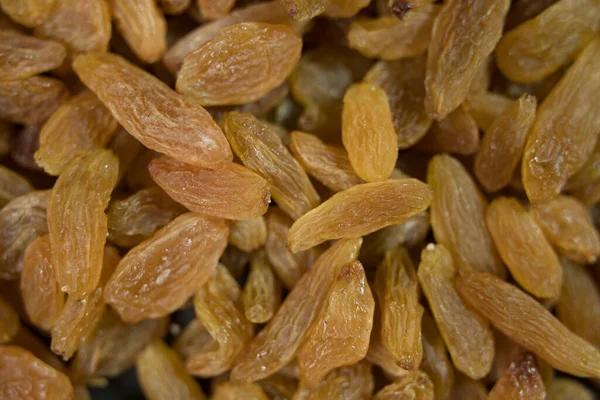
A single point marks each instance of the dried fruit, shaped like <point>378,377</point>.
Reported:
<point>21,221</point>
<point>305,9</point>
<point>78,126</point>
<point>464,35</point>
<point>261,150</point>
<point>368,132</point>
<point>22,56</point>
<point>24,145</point>
<point>457,133</point>
<point>467,388</point>
<point>238,391</point>
<point>31,100</point>
<point>397,290</point>
<point>214,9</point>
<point>158,117</point>
<point>346,383</point>
<point>415,384</point>
<point>276,344</point>
<point>390,38</point>
<point>76,220</point>
<point>345,8</point>
<point>566,388</point>
<point>525,10</point>
<point>457,217</point>
<point>161,374</point>
<point>174,7</point>
<point>587,174</point>
<point>402,81</point>
<point>26,377</point>
<point>139,216</point>
<point>524,55</point>
<point>568,226</point>
<point>236,261</point>
<point>12,185</point>
<point>503,144</point>
<point>143,27</point>
<point>435,359</point>
<point>262,291</point>
<point>528,323</point>
<point>524,249</point>
<point>232,192</point>
<point>379,355</point>
<point>521,380</point>
<point>126,148</point>
<point>327,164</point>
<point>40,290</point>
<point>485,107</point>
<point>579,304</point>
<point>248,235</point>
<point>263,55</point>
<point>194,339</point>
<point>566,125</point>
<point>156,277</point>
<point>28,12</point>
<point>9,322</point>
<point>340,335</point>
<point>27,340</point>
<point>360,210</point>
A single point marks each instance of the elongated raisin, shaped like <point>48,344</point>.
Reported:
<point>261,150</point>
<point>239,391</point>
<point>528,323</point>
<point>435,359</point>
<point>524,249</point>
<point>415,384</point>
<point>352,382</point>
<point>262,291</point>
<point>28,12</point>
<point>566,125</point>
<point>485,107</point>
<point>23,56</point>
<point>457,217</point>
<point>457,133</point>
<point>249,234</point>
<point>232,192</point>
<point>464,35</point>
<point>154,114</point>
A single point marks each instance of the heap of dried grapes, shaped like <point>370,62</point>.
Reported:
<point>348,199</point>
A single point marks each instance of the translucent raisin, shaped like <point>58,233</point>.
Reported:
<point>249,234</point>
<point>352,382</point>
<point>435,359</point>
<point>24,56</point>
<point>485,107</point>
<point>239,391</point>
<point>262,291</point>
<point>415,384</point>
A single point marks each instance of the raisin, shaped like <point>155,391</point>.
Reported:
<point>524,249</point>
<point>248,235</point>
<point>78,126</point>
<point>485,107</point>
<point>467,388</point>
<point>415,384</point>
<point>23,56</point>
<point>402,81</point>
<point>232,192</point>
<point>464,35</point>
<point>566,388</point>
<point>31,342</point>
<point>368,132</point>
<point>239,391</point>
<point>263,55</point>
<point>457,133</point>
<point>397,289</point>
<point>468,337</point>
<point>379,355</point>
<point>12,185</point>
<point>525,10</point>
<point>174,7</point>
<point>528,323</point>
<point>345,8</point>
<point>9,322</point>
<point>276,344</point>
<point>215,9</point>
<point>503,143</point>
<point>24,145</point>
<point>568,226</point>
<point>567,123</point>
<point>340,335</point>
<point>194,339</point>
<point>161,374</point>
<point>346,383</point>
<point>154,114</point>
<point>565,27</point>
<point>261,150</point>
<point>435,359</point>
<point>305,9</point>
<point>126,148</point>
<point>520,380</point>
<point>262,291</point>
<point>457,217</point>
<point>31,100</point>
<point>28,12</point>
<point>390,38</point>
<point>24,376</point>
<point>587,174</point>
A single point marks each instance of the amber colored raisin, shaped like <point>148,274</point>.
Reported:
<point>468,337</point>
<point>154,114</point>
<point>503,143</point>
<point>402,81</point>
<point>162,375</point>
<point>397,289</point>
<point>31,100</point>
<point>587,174</point>
<point>79,125</point>
<point>568,226</point>
<point>21,221</point>
<point>564,388</point>
<point>263,55</point>
<point>368,132</point>
<point>139,216</point>
<point>193,339</point>
<point>524,249</point>
<point>248,235</point>
<point>12,185</point>
<point>327,164</point>
<point>214,9</point>
<point>435,359</point>
<point>340,335</point>
<point>485,107</point>
<point>238,391</point>
<point>262,291</point>
<point>457,133</point>
<point>276,344</point>
<point>28,12</point>
<point>24,376</point>
<point>464,35</point>
<point>174,7</point>
<point>261,150</point>
<point>232,192</point>
<point>521,380</point>
<point>567,123</point>
<point>305,9</point>
<point>353,382</point>
<point>467,388</point>
<point>528,323</point>
<point>22,56</point>
<point>542,45</point>
<point>457,217</point>
<point>40,290</point>
<point>390,38</point>
<point>379,355</point>
<point>31,342</point>
<point>416,385</point>
<point>9,322</point>
<point>360,210</point>
<point>345,8</point>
